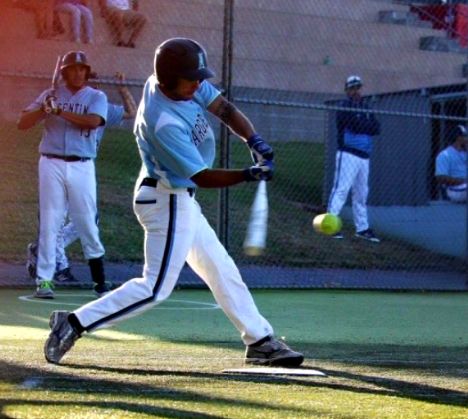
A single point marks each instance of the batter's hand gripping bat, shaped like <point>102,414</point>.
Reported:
<point>55,80</point>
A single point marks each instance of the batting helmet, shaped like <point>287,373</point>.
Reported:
<point>180,58</point>
<point>75,58</point>
<point>353,81</point>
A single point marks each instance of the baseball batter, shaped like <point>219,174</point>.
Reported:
<point>177,148</point>
<point>355,131</point>
<point>68,234</point>
<point>67,180</point>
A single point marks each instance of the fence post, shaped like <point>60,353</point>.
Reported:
<point>224,149</point>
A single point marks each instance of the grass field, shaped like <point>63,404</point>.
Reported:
<point>291,240</point>
<point>387,355</point>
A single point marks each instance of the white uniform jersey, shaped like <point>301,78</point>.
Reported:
<point>63,138</point>
<point>174,137</point>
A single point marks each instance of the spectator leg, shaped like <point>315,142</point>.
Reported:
<point>75,18</point>
<point>87,16</point>
<point>137,23</point>
<point>115,20</point>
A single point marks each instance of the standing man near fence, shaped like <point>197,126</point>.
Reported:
<point>451,166</point>
<point>67,180</point>
<point>68,234</point>
<point>177,147</point>
<point>355,127</point>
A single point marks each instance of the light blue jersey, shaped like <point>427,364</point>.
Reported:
<point>115,115</point>
<point>451,162</point>
<point>63,138</point>
<point>174,138</point>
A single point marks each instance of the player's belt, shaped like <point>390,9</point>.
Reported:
<point>65,158</point>
<point>149,181</point>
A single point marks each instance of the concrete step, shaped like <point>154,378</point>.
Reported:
<point>400,17</point>
<point>357,10</point>
<point>436,43</point>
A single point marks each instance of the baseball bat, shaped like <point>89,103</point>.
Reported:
<point>255,240</point>
<point>55,82</point>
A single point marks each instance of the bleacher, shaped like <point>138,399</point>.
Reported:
<point>301,45</point>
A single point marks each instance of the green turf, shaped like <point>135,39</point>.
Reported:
<point>387,355</point>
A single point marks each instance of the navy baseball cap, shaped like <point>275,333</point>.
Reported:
<point>353,81</point>
<point>461,131</point>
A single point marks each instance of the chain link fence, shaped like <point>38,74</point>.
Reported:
<point>284,64</point>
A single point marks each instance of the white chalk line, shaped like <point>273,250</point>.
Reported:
<point>198,304</point>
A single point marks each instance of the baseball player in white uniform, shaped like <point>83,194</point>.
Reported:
<point>355,131</point>
<point>68,234</point>
<point>177,148</point>
<point>67,180</point>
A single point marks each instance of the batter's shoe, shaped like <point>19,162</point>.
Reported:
<point>62,337</point>
<point>368,235</point>
<point>64,275</point>
<point>31,263</point>
<point>45,289</point>
<point>273,352</point>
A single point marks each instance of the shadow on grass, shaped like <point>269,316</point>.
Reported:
<point>64,382</point>
<point>121,406</point>
<point>388,386</point>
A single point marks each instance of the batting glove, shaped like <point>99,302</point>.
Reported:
<point>50,105</point>
<point>259,149</point>
<point>263,171</point>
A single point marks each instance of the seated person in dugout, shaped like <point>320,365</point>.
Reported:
<point>450,169</point>
<point>122,15</point>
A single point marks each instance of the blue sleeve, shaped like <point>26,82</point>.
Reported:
<point>205,94</point>
<point>98,105</point>
<point>177,153</point>
<point>114,115</point>
<point>442,165</point>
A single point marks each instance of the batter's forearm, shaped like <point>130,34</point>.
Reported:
<point>218,178</point>
<point>129,103</point>
<point>241,125</point>
<point>82,121</point>
<point>29,119</point>
<point>232,117</point>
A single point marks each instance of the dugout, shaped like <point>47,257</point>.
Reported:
<point>415,126</point>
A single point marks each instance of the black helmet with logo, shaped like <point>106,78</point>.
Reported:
<point>74,58</point>
<point>180,58</point>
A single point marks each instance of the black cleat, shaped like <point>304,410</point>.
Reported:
<point>273,353</point>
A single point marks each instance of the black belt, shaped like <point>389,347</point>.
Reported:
<point>149,181</point>
<point>66,158</point>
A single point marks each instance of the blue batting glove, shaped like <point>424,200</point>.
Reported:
<point>259,149</point>
<point>263,171</point>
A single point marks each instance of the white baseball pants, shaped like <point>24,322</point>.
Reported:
<point>351,172</point>
<point>457,193</point>
<point>66,236</point>
<point>176,232</point>
<point>66,186</point>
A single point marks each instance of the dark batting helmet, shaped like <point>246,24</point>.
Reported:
<point>180,58</point>
<point>75,58</point>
